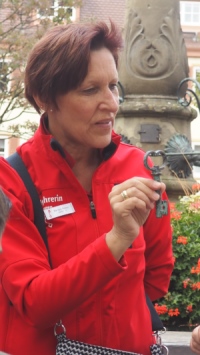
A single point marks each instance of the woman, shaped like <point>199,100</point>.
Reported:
<point>195,340</point>
<point>107,247</point>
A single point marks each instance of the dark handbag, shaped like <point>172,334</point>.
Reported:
<point>63,343</point>
<point>66,346</point>
<point>72,347</point>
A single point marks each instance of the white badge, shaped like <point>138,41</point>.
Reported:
<point>61,210</point>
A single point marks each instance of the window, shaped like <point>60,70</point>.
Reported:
<point>58,7</point>
<point>2,147</point>
<point>190,13</point>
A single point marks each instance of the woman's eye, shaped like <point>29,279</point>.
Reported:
<point>114,87</point>
<point>90,91</point>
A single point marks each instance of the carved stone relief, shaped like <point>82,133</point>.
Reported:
<point>157,58</point>
<point>154,59</point>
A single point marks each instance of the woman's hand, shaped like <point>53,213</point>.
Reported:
<point>195,341</point>
<point>131,203</point>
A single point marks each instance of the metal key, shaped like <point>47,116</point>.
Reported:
<point>161,205</point>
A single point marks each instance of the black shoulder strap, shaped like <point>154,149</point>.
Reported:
<point>17,163</point>
<point>157,324</point>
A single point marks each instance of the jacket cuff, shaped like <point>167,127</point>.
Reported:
<point>107,258</point>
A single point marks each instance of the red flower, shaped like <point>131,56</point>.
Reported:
<point>175,215</point>
<point>196,286</point>
<point>161,309</point>
<point>196,187</point>
<point>182,240</point>
<point>196,270</point>
<point>189,308</point>
<point>186,282</point>
<point>173,312</point>
<point>172,206</point>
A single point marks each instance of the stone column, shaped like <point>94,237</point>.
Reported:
<point>153,63</point>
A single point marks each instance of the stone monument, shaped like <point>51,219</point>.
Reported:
<point>152,64</point>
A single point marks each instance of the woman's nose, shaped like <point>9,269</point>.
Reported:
<point>110,101</point>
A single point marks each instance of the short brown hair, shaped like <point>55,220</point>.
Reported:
<point>59,62</point>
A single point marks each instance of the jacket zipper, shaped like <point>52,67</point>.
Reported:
<point>93,210</point>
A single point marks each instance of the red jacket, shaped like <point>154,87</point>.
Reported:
<point>99,300</point>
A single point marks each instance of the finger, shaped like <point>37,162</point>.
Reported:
<point>138,189</point>
<point>143,184</point>
<point>143,192</point>
<point>152,184</point>
<point>139,202</point>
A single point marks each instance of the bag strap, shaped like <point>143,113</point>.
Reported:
<point>17,163</point>
<point>157,324</point>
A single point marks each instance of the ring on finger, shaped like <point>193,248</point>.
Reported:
<point>124,195</point>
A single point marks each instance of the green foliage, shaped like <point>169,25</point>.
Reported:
<point>180,308</point>
<point>25,130</point>
<point>22,24</point>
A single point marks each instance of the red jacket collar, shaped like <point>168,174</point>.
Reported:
<point>106,152</point>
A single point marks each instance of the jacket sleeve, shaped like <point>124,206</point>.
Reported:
<point>40,295</point>
<point>158,254</point>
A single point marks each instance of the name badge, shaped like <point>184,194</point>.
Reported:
<point>57,211</point>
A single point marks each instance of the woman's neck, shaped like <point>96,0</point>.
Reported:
<point>84,168</point>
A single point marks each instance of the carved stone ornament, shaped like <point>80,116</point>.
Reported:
<point>154,59</point>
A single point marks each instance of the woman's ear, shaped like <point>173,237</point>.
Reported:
<point>41,105</point>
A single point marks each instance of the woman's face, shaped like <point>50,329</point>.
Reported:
<point>86,115</point>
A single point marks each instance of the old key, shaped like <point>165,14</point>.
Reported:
<point>161,205</point>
